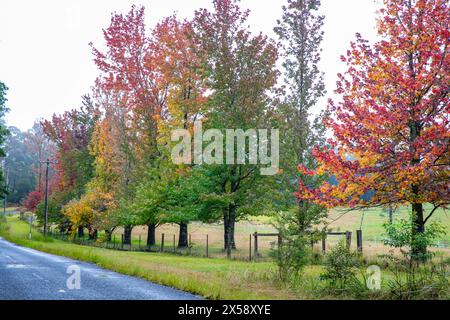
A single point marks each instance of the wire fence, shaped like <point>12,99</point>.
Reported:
<point>211,245</point>
<point>199,245</point>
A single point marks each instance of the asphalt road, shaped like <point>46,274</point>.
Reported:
<point>9,213</point>
<point>27,274</point>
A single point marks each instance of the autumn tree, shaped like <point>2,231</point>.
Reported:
<point>241,73</point>
<point>32,200</point>
<point>71,132</point>
<point>93,210</point>
<point>391,126</point>
<point>111,147</point>
<point>181,68</point>
<point>129,66</point>
<point>107,147</point>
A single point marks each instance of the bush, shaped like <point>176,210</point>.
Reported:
<point>399,235</point>
<point>340,267</point>
<point>415,281</point>
<point>298,229</point>
<point>291,256</point>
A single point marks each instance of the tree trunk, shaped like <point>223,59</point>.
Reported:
<point>301,216</point>
<point>80,232</point>
<point>93,233</point>
<point>419,249</point>
<point>226,231</point>
<point>183,237</point>
<point>127,234</point>
<point>229,222</point>
<point>108,235</point>
<point>232,225</point>
<point>151,234</point>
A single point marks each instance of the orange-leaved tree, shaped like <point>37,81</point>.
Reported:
<point>391,127</point>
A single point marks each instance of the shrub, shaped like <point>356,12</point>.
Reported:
<point>340,267</point>
<point>298,229</point>
<point>415,281</point>
<point>400,235</point>
<point>291,256</point>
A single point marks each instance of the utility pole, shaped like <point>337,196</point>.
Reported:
<point>4,200</point>
<point>47,163</point>
<point>6,189</point>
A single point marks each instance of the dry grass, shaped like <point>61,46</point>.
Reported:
<point>372,221</point>
<point>210,278</point>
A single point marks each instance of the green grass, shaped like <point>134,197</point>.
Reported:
<point>374,218</point>
<point>210,278</point>
<point>372,227</point>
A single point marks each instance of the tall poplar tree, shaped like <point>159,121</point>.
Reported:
<point>300,33</point>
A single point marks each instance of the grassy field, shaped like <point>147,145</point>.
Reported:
<point>372,227</point>
<point>373,219</point>
<point>371,222</point>
<point>209,277</point>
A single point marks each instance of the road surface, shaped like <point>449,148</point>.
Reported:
<point>27,274</point>
<point>9,213</point>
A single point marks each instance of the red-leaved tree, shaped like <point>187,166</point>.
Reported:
<point>391,128</point>
<point>32,200</point>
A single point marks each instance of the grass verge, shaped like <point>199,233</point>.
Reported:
<point>210,278</point>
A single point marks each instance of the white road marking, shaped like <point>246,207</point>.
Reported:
<point>37,276</point>
<point>10,258</point>
<point>18,266</point>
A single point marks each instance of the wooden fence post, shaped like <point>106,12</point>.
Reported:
<point>359,240</point>
<point>190,244</point>
<point>207,246</point>
<point>162,242</point>
<point>348,236</point>
<point>256,245</point>
<point>324,244</point>
<point>250,249</point>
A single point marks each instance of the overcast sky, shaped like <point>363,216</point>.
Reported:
<point>47,64</point>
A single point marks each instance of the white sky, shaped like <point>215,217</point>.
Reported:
<point>47,64</point>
